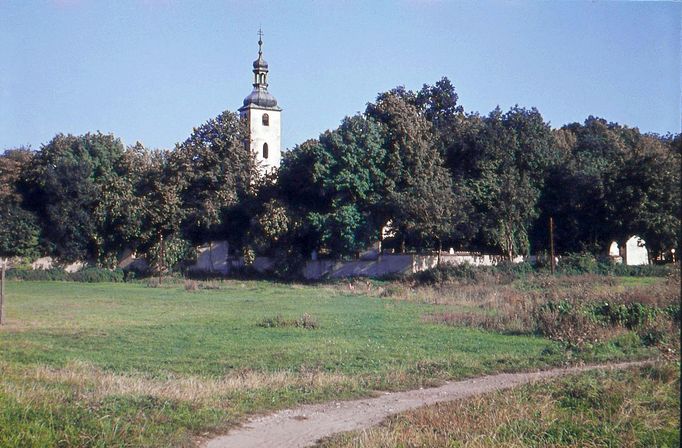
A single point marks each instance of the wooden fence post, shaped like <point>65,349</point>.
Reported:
<point>2,292</point>
<point>552,261</point>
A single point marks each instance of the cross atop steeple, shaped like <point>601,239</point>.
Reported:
<point>260,41</point>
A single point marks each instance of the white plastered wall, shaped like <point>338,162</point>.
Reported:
<point>635,252</point>
<point>271,134</point>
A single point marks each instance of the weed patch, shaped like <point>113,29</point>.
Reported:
<point>305,321</point>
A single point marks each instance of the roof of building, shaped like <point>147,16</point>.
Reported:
<point>262,98</point>
<point>260,63</point>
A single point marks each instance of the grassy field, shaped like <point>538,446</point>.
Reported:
<point>130,365</point>
<point>639,407</point>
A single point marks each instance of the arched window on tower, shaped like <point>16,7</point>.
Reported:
<point>266,120</point>
<point>265,150</point>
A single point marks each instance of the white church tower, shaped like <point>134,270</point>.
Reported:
<point>264,116</point>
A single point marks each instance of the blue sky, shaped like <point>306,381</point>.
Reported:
<point>151,70</point>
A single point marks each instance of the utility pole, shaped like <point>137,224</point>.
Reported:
<point>552,261</point>
<point>2,292</point>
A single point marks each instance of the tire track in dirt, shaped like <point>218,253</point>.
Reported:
<point>305,425</point>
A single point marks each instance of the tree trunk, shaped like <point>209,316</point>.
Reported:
<point>510,247</point>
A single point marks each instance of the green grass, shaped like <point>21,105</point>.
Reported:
<point>129,328</point>
<point>127,365</point>
<point>640,281</point>
<point>639,407</point>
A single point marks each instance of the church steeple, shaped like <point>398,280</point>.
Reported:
<point>263,115</point>
<point>260,67</point>
<point>260,95</point>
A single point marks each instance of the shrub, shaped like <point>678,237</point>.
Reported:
<point>445,273</point>
<point>674,312</point>
<point>586,263</point>
<point>136,271</point>
<point>568,323</point>
<point>629,315</point>
<point>288,264</point>
<point>273,322</point>
<point>651,270</point>
<point>37,275</point>
<point>516,270</point>
<point>391,290</point>
<point>97,275</point>
<point>306,321</point>
<point>652,335</point>
<point>153,282</point>
<point>578,263</point>
<point>191,285</point>
<point>87,275</point>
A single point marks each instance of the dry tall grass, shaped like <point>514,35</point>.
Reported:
<point>563,308</point>
<point>629,409</point>
<point>91,383</point>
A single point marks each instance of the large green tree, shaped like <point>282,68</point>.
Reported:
<point>66,185</point>
<point>338,184</point>
<point>612,183</point>
<point>353,186</point>
<point>19,228</point>
<point>301,186</point>
<point>214,171</point>
<point>419,199</point>
<point>499,164</point>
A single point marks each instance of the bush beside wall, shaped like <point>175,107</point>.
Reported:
<point>87,275</point>
<point>572,264</point>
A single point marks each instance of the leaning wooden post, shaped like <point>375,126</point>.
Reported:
<point>161,260</point>
<point>2,292</point>
<point>551,244</point>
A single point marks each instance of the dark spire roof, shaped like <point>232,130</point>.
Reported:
<point>260,95</point>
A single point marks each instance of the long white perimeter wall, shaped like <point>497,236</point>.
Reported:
<point>391,265</point>
<point>214,258</point>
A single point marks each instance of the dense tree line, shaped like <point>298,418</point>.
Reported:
<point>414,163</point>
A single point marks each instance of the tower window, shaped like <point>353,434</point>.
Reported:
<point>266,120</point>
<point>265,150</point>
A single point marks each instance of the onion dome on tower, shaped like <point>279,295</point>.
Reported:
<point>260,96</point>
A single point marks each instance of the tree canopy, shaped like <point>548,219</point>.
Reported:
<point>414,162</point>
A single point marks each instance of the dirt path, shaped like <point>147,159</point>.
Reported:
<point>303,426</point>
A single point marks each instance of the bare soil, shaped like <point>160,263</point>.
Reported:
<point>305,425</point>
